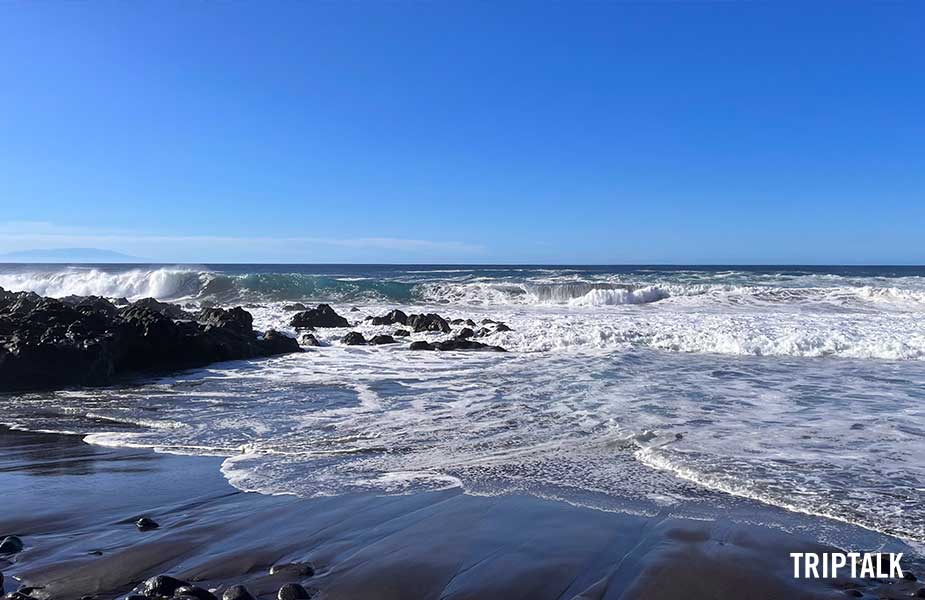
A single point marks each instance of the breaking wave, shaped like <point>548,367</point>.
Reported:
<point>164,283</point>
<point>538,287</point>
<point>179,283</point>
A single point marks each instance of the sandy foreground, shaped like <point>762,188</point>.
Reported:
<point>75,505</point>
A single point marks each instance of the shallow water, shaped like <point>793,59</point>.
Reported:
<point>646,387</point>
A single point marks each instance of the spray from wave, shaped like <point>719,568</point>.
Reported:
<point>164,283</point>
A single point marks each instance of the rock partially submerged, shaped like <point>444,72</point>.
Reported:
<point>321,316</point>
<point>308,339</point>
<point>393,317</point>
<point>455,344</point>
<point>428,322</point>
<point>382,339</point>
<point>90,342</point>
<point>354,338</point>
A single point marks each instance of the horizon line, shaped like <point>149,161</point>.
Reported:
<point>464,264</point>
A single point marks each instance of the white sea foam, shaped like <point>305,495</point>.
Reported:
<point>833,438</point>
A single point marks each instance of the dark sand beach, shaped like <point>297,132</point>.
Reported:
<point>75,505</point>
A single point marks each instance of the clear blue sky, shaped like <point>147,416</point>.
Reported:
<point>465,132</point>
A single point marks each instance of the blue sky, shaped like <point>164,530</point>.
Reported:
<point>465,131</point>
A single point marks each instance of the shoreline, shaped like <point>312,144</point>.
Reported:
<point>74,504</point>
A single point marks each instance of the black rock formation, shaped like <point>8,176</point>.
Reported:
<point>48,344</point>
<point>321,316</point>
<point>354,338</point>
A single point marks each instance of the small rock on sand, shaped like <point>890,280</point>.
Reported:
<point>237,592</point>
<point>162,585</point>
<point>192,591</point>
<point>11,544</point>
<point>296,569</point>
<point>293,591</point>
<point>146,524</point>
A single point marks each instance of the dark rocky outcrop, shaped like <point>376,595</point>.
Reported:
<point>393,317</point>
<point>92,304</point>
<point>321,316</point>
<point>501,327</point>
<point>90,342</point>
<point>354,338</point>
<point>428,322</point>
<point>401,333</point>
<point>382,339</point>
<point>455,344</point>
<point>465,333</point>
<point>174,311</point>
<point>279,343</point>
<point>296,306</point>
<point>235,319</point>
<point>458,344</point>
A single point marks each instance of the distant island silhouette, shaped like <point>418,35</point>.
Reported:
<point>68,255</point>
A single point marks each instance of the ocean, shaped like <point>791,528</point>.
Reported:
<point>624,388</point>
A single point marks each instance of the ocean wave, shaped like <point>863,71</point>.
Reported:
<point>184,283</point>
<point>476,288</point>
<point>590,294</point>
<point>166,283</point>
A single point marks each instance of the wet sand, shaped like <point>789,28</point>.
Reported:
<point>75,505</point>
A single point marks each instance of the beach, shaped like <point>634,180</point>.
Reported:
<point>75,507</point>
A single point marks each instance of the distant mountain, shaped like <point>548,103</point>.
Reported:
<point>64,255</point>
